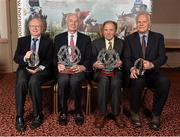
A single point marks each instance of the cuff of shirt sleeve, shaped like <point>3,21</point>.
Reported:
<point>25,60</point>
<point>42,67</point>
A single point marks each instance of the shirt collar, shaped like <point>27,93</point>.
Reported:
<point>38,38</point>
<point>74,34</point>
<point>143,34</point>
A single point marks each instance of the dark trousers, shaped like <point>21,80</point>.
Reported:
<point>70,85</point>
<point>25,80</point>
<point>109,88</point>
<point>161,86</point>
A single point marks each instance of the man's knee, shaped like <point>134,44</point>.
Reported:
<point>33,81</point>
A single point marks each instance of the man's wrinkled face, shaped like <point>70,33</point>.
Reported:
<point>35,27</point>
<point>143,24</point>
<point>109,31</point>
<point>72,23</point>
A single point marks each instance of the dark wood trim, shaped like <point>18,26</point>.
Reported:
<point>172,43</point>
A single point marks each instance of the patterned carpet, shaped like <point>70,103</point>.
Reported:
<point>50,127</point>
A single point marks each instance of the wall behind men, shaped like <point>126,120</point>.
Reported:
<point>165,19</point>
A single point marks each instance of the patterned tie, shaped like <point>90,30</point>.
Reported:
<point>34,44</point>
<point>72,41</point>
<point>110,45</point>
<point>143,44</point>
<point>72,45</point>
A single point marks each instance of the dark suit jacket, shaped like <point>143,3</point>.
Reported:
<point>45,51</point>
<point>99,44</point>
<point>155,51</point>
<point>83,43</point>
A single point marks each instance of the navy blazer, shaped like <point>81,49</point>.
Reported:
<point>99,44</point>
<point>45,51</point>
<point>155,51</point>
<point>83,43</point>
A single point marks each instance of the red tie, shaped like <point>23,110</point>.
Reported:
<point>72,41</point>
<point>72,45</point>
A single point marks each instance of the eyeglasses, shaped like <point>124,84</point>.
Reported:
<point>33,26</point>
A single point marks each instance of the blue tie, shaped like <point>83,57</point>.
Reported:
<point>34,44</point>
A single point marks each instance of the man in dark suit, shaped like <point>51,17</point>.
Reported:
<point>108,84</point>
<point>149,46</point>
<point>72,82</point>
<point>29,78</point>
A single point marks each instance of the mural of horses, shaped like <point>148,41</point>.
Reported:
<point>90,25</point>
<point>126,25</point>
<point>63,22</point>
<point>93,26</point>
<point>35,12</point>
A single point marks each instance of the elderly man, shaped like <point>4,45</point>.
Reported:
<point>29,77</point>
<point>108,84</point>
<point>71,82</point>
<point>150,47</point>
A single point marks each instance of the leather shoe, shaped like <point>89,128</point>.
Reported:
<point>119,121</point>
<point>99,121</point>
<point>37,121</point>
<point>79,119</point>
<point>63,119</point>
<point>135,120</point>
<point>155,123</point>
<point>20,126</point>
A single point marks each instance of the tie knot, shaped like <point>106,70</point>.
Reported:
<point>72,36</point>
<point>34,39</point>
<point>110,45</point>
<point>144,36</point>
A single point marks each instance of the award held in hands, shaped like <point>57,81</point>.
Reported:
<point>69,56</point>
<point>33,61</point>
<point>109,58</point>
<point>138,64</point>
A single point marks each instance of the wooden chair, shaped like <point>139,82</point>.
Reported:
<point>85,85</point>
<point>93,86</point>
<point>51,86</point>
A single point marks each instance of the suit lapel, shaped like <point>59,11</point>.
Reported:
<point>79,40</point>
<point>102,45</point>
<point>138,44</point>
<point>41,43</point>
<point>116,45</point>
<point>28,43</point>
<point>149,44</point>
<point>66,39</point>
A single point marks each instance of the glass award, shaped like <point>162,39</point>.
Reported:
<point>138,64</point>
<point>109,59</point>
<point>33,61</point>
<point>69,56</point>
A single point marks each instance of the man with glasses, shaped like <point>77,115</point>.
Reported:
<point>32,78</point>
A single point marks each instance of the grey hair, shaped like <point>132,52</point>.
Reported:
<point>144,13</point>
<point>36,18</point>
<point>71,14</point>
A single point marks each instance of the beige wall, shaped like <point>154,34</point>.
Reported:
<point>168,24</point>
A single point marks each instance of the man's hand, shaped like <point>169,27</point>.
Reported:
<point>134,73</point>
<point>28,55</point>
<point>33,71</point>
<point>61,67</point>
<point>118,64</point>
<point>147,65</point>
<point>78,68</point>
<point>98,65</point>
